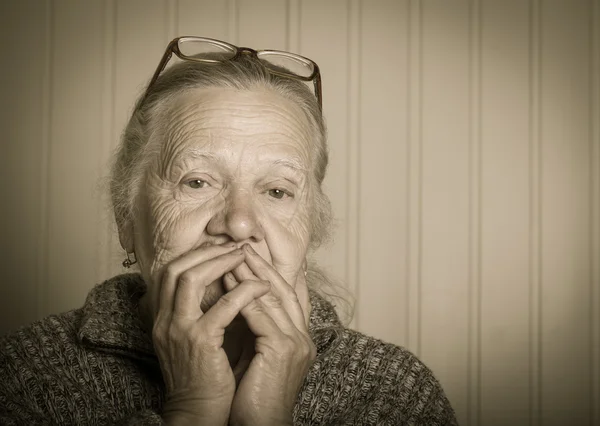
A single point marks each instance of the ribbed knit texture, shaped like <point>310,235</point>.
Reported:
<point>96,366</point>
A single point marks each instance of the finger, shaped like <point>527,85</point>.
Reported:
<point>261,323</point>
<point>192,283</point>
<point>243,272</point>
<point>284,291</point>
<point>229,281</point>
<point>245,358</point>
<point>222,313</point>
<point>270,302</point>
<point>174,269</point>
<point>304,298</point>
<point>272,305</point>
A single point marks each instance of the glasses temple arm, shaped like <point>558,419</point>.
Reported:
<point>318,89</point>
<point>163,62</point>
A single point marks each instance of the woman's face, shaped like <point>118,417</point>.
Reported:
<point>233,166</point>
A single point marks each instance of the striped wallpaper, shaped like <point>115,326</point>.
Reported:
<point>465,173</point>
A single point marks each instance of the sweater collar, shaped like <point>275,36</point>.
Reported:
<point>111,320</point>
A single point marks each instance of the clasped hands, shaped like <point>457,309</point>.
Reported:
<point>200,381</point>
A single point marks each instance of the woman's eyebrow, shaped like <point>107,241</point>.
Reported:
<point>182,157</point>
<point>293,164</point>
<point>198,154</point>
<point>188,154</point>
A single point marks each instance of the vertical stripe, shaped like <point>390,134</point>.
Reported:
<point>176,14</point>
<point>382,158</point>
<point>105,235</point>
<point>474,351</point>
<point>171,20</point>
<point>233,21</point>
<point>535,241</point>
<point>414,179</point>
<point>353,158</point>
<point>595,206</point>
<point>293,26</point>
<point>42,276</point>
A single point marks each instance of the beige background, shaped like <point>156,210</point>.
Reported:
<point>465,173</point>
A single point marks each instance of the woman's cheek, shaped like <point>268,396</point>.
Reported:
<point>288,243</point>
<point>180,228</point>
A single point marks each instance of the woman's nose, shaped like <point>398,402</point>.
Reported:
<point>238,220</point>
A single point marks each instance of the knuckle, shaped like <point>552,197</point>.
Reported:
<point>227,301</point>
<point>161,335</point>
<point>173,334</point>
<point>311,351</point>
<point>157,333</point>
<point>271,300</point>
<point>255,307</point>
<point>185,279</point>
<point>170,273</point>
<point>159,324</point>
<point>288,346</point>
<point>289,293</point>
<point>304,353</point>
<point>307,348</point>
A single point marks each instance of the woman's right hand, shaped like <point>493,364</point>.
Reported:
<point>200,384</point>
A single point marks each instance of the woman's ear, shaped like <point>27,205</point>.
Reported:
<point>126,235</point>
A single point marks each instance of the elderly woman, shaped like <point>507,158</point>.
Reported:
<point>217,196</point>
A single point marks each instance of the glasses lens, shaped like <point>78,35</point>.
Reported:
<point>208,50</point>
<point>284,61</point>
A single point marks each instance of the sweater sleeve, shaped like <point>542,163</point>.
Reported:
<point>18,414</point>
<point>359,380</point>
<point>23,402</point>
<point>13,413</point>
<point>46,378</point>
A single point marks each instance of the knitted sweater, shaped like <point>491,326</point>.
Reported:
<point>96,366</point>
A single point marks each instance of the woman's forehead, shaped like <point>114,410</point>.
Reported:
<point>213,119</point>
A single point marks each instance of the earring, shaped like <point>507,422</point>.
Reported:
<point>128,262</point>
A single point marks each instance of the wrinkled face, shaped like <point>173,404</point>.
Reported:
<point>233,166</point>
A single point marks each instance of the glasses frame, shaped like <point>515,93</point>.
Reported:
<point>173,48</point>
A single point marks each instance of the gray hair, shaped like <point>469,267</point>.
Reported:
<point>245,73</point>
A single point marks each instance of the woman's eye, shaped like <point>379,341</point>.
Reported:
<point>196,183</point>
<point>278,193</point>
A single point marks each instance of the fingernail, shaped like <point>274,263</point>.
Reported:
<point>230,244</point>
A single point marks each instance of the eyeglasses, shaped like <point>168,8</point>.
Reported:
<point>211,51</point>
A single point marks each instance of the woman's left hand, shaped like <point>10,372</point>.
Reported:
<point>284,351</point>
